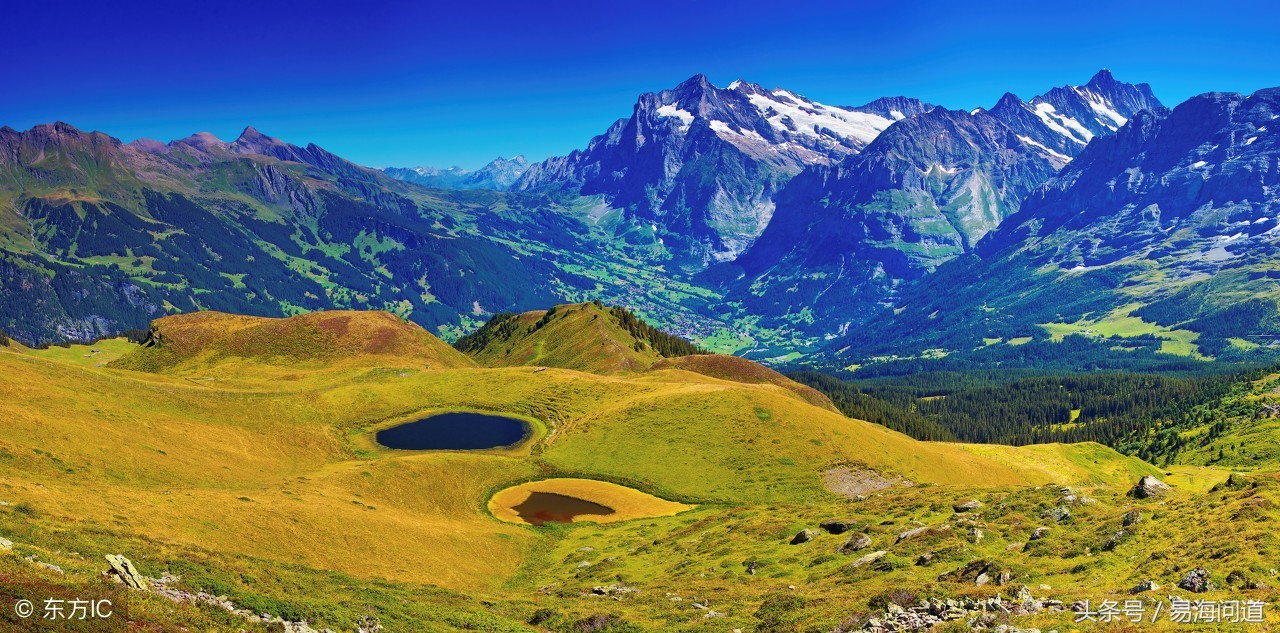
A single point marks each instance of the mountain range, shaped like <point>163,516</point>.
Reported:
<point>752,220</point>
<point>498,175</point>
<point>1166,229</point>
<point>699,165</point>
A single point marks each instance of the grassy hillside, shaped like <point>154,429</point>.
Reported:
<point>267,487</point>
<point>587,337</point>
<point>735,369</point>
<point>188,343</point>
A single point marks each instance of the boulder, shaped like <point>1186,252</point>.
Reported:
<point>837,527</point>
<point>1148,487</point>
<point>125,573</point>
<point>1059,514</point>
<point>1114,541</point>
<point>967,505</point>
<point>1145,586</point>
<point>868,559</point>
<point>855,543</point>
<point>1197,581</point>
<point>925,559</point>
<point>803,536</point>
<point>1039,533</point>
<point>5,544</point>
<point>921,531</point>
<point>971,572</point>
<point>1131,518</point>
<point>975,535</point>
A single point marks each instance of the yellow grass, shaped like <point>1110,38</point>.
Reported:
<point>626,503</point>
<point>277,462</point>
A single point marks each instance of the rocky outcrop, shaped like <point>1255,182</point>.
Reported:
<point>123,571</point>
<point>1197,581</point>
<point>990,613</point>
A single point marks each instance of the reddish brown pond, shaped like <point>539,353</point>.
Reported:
<point>549,507</point>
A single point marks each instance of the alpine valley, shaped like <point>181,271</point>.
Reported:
<point>744,362</point>
<point>753,221</point>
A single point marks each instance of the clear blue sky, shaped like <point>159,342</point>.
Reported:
<point>444,83</point>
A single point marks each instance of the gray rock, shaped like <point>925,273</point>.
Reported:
<point>855,543</point>
<point>124,572</point>
<point>1059,514</point>
<point>5,543</point>
<point>837,527</point>
<point>925,559</point>
<point>803,536</point>
<point>1197,581</point>
<point>1145,586</point>
<point>1039,533</point>
<point>975,535</point>
<point>1131,518</point>
<point>1114,541</point>
<point>49,566</point>
<point>920,531</point>
<point>1148,487</point>
<point>967,505</point>
<point>868,559</point>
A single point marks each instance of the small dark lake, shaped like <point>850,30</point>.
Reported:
<point>455,431</point>
<point>544,507</point>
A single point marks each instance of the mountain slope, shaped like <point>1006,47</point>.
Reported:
<point>100,236</point>
<point>1166,228</point>
<point>846,238</point>
<point>699,164</point>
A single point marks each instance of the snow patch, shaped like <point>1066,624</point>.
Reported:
<point>672,112</point>
<point>1103,109</point>
<point>1062,124</point>
<point>1047,151</point>
<point>727,133</point>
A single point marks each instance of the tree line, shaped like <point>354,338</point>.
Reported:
<point>1138,414</point>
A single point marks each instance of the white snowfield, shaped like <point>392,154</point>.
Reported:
<point>838,131</point>
<point>1062,124</point>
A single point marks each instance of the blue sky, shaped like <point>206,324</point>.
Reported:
<point>409,83</point>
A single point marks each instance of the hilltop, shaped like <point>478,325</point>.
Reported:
<point>586,337</point>
<point>188,342</point>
